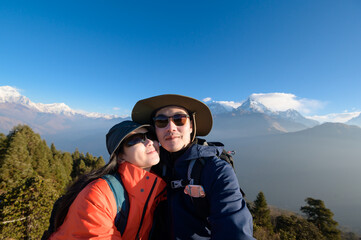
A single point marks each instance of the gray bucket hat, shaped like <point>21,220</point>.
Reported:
<point>119,132</point>
<point>144,110</point>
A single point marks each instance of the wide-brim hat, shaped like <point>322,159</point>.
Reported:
<point>121,131</point>
<point>144,110</point>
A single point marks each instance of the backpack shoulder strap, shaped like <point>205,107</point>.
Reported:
<point>201,204</point>
<point>122,200</point>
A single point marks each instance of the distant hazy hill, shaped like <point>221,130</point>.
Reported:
<point>355,121</point>
<point>323,162</point>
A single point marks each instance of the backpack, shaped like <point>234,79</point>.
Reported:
<point>122,201</point>
<point>194,174</point>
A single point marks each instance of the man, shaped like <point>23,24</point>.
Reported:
<point>178,120</point>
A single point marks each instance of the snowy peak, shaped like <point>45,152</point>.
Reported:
<point>218,108</point>
<point>251,105</point>
<point>355,121</point>
<point>10,94</point>
<point>290,114</point>
<point>57,108</point>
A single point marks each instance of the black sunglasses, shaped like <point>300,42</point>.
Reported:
<point>162,121</point>
<point>139,138</point>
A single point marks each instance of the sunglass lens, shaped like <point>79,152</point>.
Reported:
<point>140,138</point>
<point>135,139</point>
<point>161,121</point>
<point>179,119</point>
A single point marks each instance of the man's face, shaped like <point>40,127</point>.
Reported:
<point>172,137</point>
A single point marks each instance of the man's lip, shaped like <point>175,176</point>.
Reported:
<point>171,137</point>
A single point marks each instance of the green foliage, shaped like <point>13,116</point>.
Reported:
<point>292,228</point>
<point>17,162</point>
<point>25,209</point>
<point>261,233</point>
<point>61,166</point>
<point>84,164</point>
<point>261,213</point>
<point>321,217</point>
<point>2,146</point>
<point>32,177</point>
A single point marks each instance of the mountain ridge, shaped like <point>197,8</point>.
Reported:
<point>10,95</point>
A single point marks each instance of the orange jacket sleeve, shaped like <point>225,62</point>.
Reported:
<point>91,216</point>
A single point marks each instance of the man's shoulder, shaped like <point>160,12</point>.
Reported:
<point>205,150</point>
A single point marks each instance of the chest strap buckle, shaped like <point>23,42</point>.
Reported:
<point>178,184</point>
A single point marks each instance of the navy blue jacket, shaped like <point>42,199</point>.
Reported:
<point>229,217</point>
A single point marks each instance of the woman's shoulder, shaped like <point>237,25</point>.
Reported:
<point>97,192</point>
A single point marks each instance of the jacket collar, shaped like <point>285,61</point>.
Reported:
<point>136,180</point>
<point>194,151</point>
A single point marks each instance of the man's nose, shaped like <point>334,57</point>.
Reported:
<point>171,125</point>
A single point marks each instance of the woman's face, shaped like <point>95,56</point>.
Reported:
<point>139,150</point>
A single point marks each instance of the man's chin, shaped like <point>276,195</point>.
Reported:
<point>172,147</point>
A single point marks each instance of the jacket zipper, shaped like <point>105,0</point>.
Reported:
<point>145,208</point>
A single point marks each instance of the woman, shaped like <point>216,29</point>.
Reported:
<point>88,209</point>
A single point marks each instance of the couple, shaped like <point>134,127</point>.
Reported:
<point>88,209</point>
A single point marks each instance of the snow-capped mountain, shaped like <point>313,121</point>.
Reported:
<point>218,108</point>
<point>9,95</point>
<point>355,121</point>
<point>57,122</point>
<point>294,115</point>
<point>252,106</point>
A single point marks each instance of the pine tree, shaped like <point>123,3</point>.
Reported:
<point>32,176</point>
<point>41,158</point>
<point>322,217</point>
<point>2,146</point>
<point>292,228</point>
<point>261,213</point>
<point>67,162</point>
<point>17,162</point>
<point>25,209</point>
<point>99,162</point>
<point>61,167</point>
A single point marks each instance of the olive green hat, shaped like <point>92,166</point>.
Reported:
<point>144,110</point>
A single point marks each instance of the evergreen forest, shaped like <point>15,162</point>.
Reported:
<point>33,176</point>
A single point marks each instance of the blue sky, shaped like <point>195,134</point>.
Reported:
<point>103,56</point>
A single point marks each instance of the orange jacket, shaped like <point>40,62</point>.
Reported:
<point>92,214</point>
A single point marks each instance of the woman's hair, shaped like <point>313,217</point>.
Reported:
<point>63,204</point>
